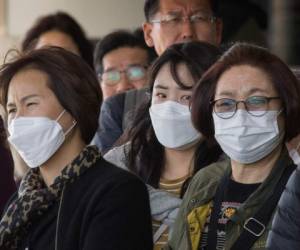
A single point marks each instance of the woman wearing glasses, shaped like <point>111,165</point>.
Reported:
<point>248,102</point>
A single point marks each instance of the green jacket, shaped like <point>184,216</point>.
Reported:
<point>197,202</point>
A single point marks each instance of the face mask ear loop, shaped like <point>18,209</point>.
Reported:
<point>60,115</point>
<point>73,125</point>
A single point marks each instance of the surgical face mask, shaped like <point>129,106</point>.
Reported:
<point>36,139</point>
<point>295,155</point>
<point>246,138</point>
<point>172,125</point>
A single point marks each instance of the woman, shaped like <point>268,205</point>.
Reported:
<point>71,198</point>
<point>7,184</point>
<point>248,102</point>
<point>165,150</point>
<point>61,30</point>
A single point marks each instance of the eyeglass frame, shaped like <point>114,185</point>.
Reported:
<point>268,99</point>
<point>145,67</point>
<point>182,18</point>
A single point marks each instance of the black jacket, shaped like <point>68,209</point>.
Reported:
<point>107,208</point>
<point>7,183</point>
<point>285,232</point>
<point>115,116</point>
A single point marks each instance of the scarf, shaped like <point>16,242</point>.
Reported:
<point>35,198</point>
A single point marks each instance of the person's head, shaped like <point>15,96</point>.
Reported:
<point>177,21</point>
<point>171,80</point>
<point>54,84</point>
<point>249,101</point>
<point>121,59</point>
<point>61,30</point>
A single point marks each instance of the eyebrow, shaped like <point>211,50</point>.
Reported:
<point>23,99</point>
<point>159,86</point>
<point>250,92</point>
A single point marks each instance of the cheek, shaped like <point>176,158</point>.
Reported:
<point>207,34</point>
<point>108,91</point>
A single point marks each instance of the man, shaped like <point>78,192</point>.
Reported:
<point>167,22</point>
<point>120,60</point>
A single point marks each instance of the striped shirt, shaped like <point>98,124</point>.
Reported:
<point>173,187</point>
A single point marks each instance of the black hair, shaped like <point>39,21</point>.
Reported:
<point>119,39</point>
<point>151,7</point>
<point>69,77</point>
<point>146,154</point>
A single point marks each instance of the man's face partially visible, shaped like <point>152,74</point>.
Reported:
<point>163,34</point>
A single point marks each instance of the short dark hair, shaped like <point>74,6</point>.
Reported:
<point>72,81</point>
<point>119,39</point>
<point>151,7</point>
<point>197,56</point>
<point>62,22</point>
<point>282,78</point>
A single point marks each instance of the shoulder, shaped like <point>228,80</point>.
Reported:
<point>114,101</point>
<point>104,178</point>
<point>117,155</point>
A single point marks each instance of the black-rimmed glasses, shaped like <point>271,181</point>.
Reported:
<point>255,105</point>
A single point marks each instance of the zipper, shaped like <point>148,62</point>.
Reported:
<point>58,218</point>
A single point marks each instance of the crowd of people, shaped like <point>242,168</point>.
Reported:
<point>157,138</point>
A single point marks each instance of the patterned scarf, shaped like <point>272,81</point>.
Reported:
<point>35,198</point>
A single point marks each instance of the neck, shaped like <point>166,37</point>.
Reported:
<point>255,172</point>
<point>68,151</point>
<point>178,163</point>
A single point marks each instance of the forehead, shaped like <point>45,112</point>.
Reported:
<point>165,78</point>
<point>125,56</point>
<point>243,79</point>
<point>59,39</point>
<point>184,5</point>
<point>28,82</point>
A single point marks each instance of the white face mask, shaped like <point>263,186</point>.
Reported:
<point>36,138</point>
<point>295,155</point>
<point>172,125</point>
<point>246,138</point>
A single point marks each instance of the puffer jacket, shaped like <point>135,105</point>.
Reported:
<point>285,232</point>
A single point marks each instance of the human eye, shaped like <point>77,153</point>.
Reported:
<point>172,19</point>
<point>256,102</point>
<point>136,72</point>
<point>11,110</point>
<point>160,95</point>
<point>224,105</point>
<point>185,99</point>
<point>111,77</point>
<point>199,17</point>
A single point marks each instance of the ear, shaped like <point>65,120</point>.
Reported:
<point>147,28</point>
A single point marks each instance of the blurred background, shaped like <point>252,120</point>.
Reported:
<point>270,23</point>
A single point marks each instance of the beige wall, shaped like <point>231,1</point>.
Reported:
<point>97,17</point>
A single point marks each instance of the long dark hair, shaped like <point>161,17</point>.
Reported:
<point>146,154</point>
